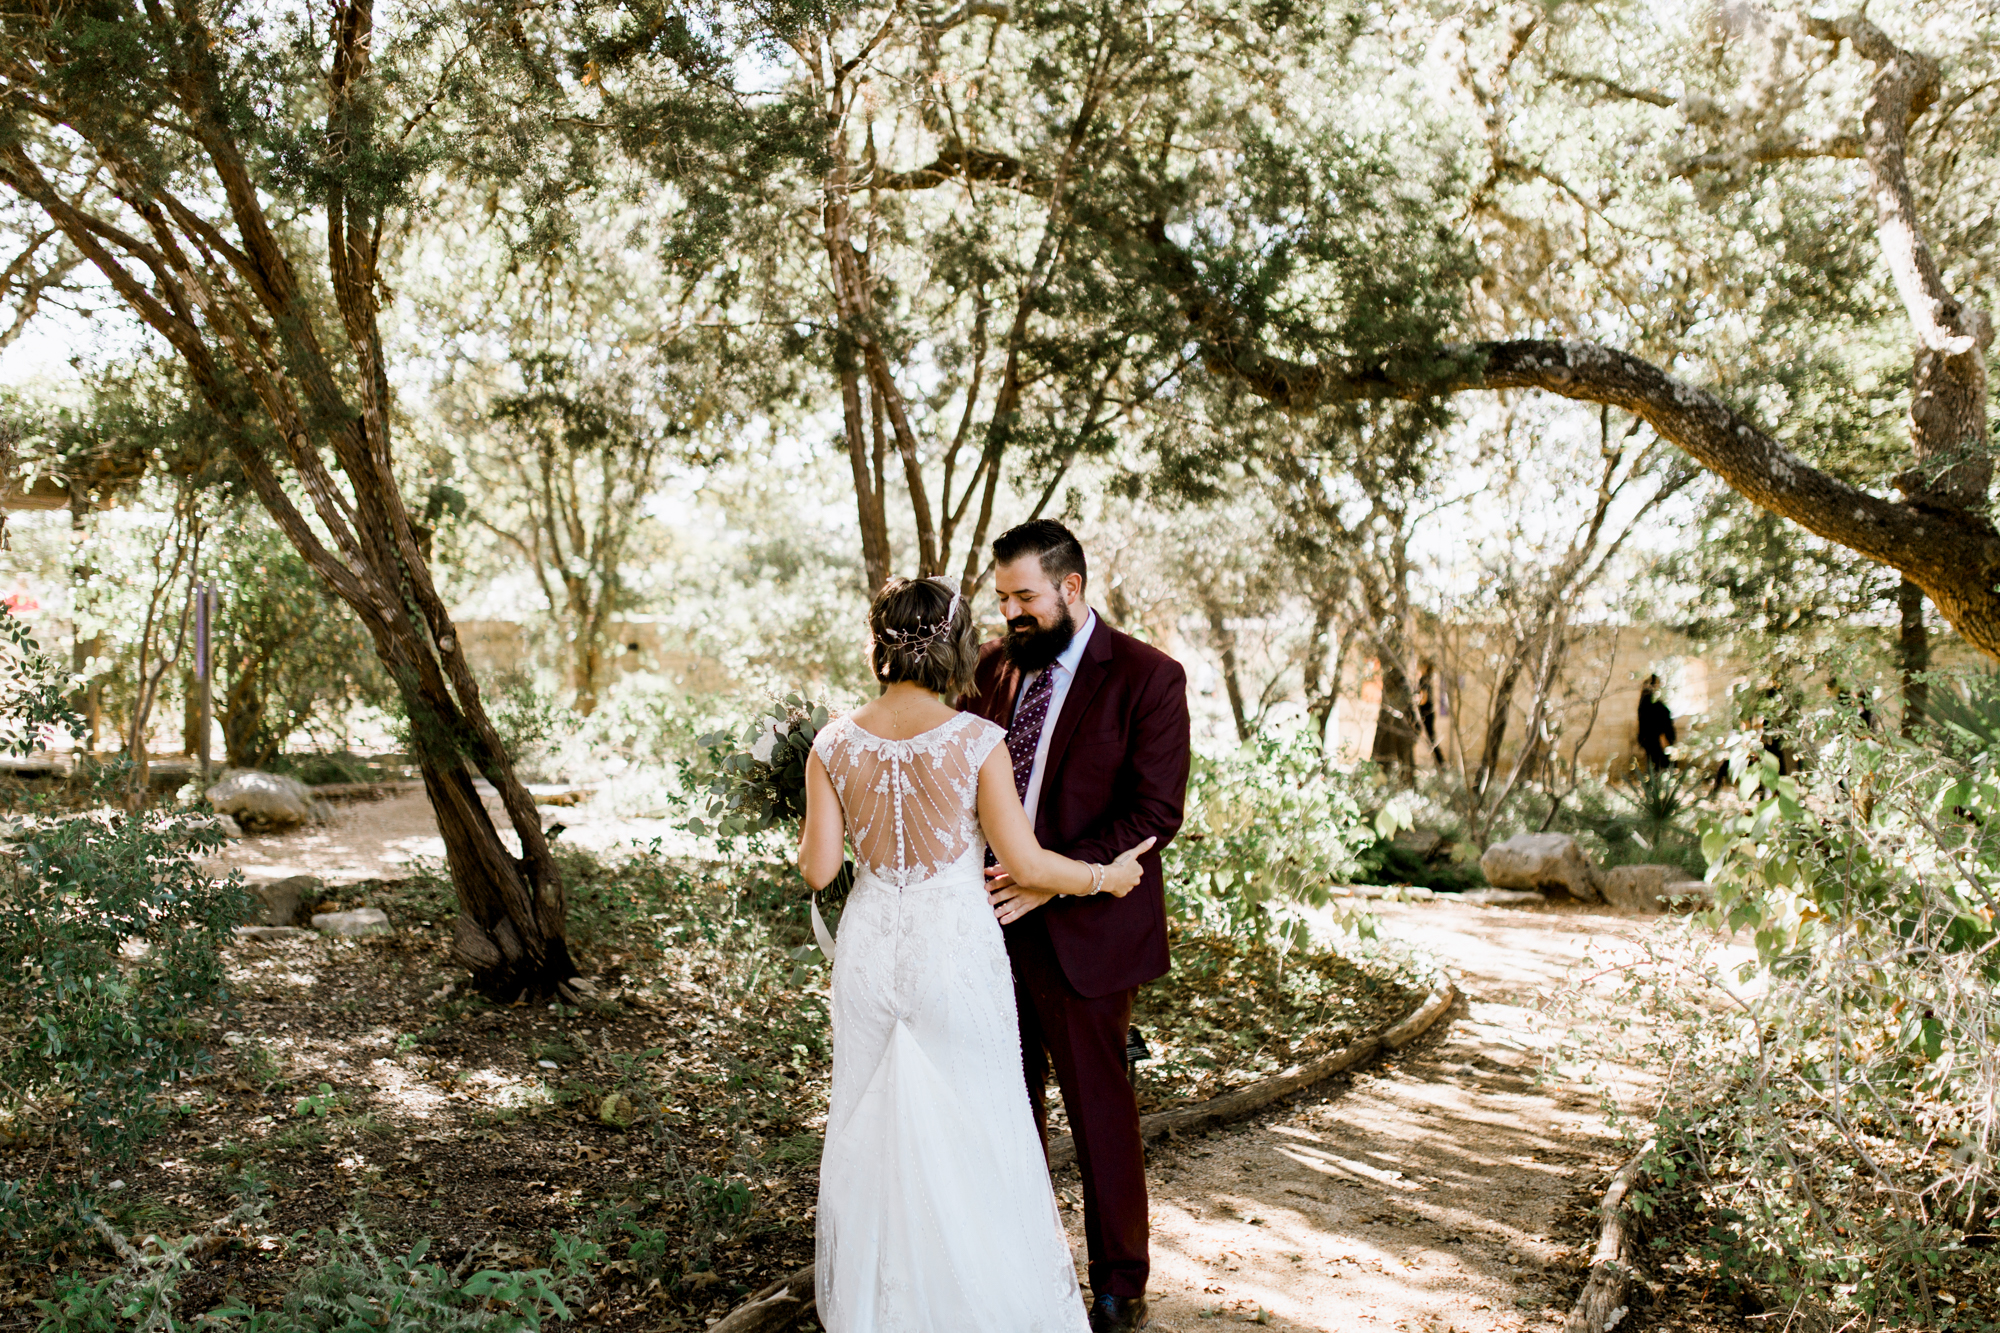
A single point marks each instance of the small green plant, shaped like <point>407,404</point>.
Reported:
<point>350,1285</point>
<point>259,1065</point>
<point>1270,829</point>
<point>320,1104</point>
<point>297,1138</point>
<point>722,1199</point>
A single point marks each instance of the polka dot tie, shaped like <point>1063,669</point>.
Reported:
<point>1026,732</point>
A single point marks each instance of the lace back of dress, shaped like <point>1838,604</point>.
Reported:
<point>911,806</point>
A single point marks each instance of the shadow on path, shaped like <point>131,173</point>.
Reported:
<point>1439,1190</point>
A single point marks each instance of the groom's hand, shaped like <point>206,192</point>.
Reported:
<point>1010,901</point>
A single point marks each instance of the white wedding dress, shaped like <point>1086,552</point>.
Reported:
<point>936,1214</point>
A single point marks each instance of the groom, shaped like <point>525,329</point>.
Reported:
<point>1097,727</point>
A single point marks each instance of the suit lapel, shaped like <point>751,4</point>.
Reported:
<point>1090,675</point>
<point>1005,690</point>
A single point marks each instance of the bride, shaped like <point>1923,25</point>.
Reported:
<point>935,1207</point>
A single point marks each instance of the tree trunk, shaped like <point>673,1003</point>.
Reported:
<point>1395,745</point>
<point>1224,639</point>
<point>241,712</point>
<point>89,701</point>
<point>589,666</point>
<point>1321,698</point>
<point>226,293</point>
<point>871,513</point>
<point>1914,651</point>
<point>1496,728</point>
<point>509,932</point>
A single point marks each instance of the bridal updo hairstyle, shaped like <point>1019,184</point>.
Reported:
<point>914,641</point>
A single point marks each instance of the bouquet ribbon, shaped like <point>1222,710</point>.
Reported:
<point>820,932</point>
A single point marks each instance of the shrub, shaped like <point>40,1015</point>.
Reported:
<point>1271,827</point>
<point>1834,1127</point>
<point>110,947</point>
<point>112,936</point>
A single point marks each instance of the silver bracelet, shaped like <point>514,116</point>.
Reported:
<point>1097,879</point>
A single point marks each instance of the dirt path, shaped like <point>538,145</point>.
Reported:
<point>1445,1189</point>
<point>384,839</point>
<point>1441,1190</point>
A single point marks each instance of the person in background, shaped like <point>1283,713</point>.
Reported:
<point>1427,706</point>
<point>1656,725</point>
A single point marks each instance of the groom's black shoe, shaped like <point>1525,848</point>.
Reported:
<point>1118,1314</point>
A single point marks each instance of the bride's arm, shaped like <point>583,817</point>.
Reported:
<point>823,840</point>
<point>1013,840</point>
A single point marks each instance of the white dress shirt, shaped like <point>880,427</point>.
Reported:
<point>1065,669</point>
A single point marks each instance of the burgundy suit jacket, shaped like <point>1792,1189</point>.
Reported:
<point>1116,775</point>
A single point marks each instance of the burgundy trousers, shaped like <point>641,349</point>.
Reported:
<point>1083,1040</point>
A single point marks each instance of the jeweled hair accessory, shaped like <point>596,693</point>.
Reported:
<point>921,640</point>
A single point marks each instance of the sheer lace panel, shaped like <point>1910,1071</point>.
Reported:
<point>911,806</point>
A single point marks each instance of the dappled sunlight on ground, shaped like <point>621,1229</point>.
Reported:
<point>1444,1189</point>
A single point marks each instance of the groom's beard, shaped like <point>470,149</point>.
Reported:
<point>1030,647</point>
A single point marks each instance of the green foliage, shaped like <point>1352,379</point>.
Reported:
<point>1971,723</point>
<point>352,1287</point>
<point>1833,1128</point>
<point>319,769</point>
<point>111,936</point>
<point>288,657</point>
<point>526,717</point>
<point>33,701</point>
<point>1647,819</point>
<point>1271,828</point>
<point>110,943</point>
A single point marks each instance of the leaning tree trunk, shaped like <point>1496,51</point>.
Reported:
<point>510,927</point>
<point>224,289</point>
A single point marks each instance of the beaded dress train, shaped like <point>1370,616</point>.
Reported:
<point>936,1214</point>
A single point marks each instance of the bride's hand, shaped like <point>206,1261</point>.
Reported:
<point>1122,875</point>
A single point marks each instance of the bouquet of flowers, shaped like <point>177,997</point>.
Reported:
<point>757,781</point>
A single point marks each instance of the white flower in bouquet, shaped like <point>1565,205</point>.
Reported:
<point>767,741</point>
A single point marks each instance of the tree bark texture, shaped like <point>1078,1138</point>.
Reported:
<point>1224,640</point>
<point>1913,644</point>
<point>224,291</point>
<point>1395,745</point>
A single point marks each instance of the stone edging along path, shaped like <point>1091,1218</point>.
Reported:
<point>777,1306</point>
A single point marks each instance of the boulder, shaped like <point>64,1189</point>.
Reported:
<point>1654,889</point>
<point>259,800</point>
<point>1687,895</point>
<point>1637,888</point>
<point>1542,861</point>
<point>284,902</point>
<point>272,933</point>
<point>360,921</point>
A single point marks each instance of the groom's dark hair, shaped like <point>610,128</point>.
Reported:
<point>1054,547</point>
